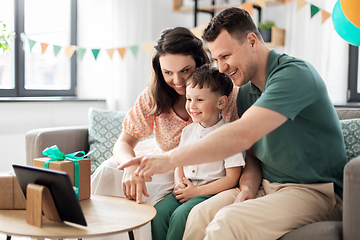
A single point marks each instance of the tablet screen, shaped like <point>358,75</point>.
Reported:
<point>60,187</point>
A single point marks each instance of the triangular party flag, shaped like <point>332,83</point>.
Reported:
<point>287,1</point>
<point>149,47</point>
<point>325,15</point>
<point>43,47</point>
<point>300,4</point>
<point>31,43</point>
<point>95,52</point>
<point>248,6</point>
<point>69,51</point>
<point>314,10</point>
<point>56,49</point>
<point>122,52</point>
<point>134,49</point>
<point>197,31</point>
<point>81,52</point>
<point>110,52</point>
<point>260,3</point>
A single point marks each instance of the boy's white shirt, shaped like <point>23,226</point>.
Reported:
<point>207,172</point>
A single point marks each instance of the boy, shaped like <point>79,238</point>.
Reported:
<point>206,94</point>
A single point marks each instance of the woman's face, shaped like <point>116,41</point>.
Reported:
<point>175,69</point>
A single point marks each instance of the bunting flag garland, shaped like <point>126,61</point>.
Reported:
<point>149,46</point>
<point>81,52</point>
<point>314,10</point>
<point>69,51</point>
<point>134,49</point>
<point>31,44</point>
<point>325,15</point>
<point>110,52</point>
<point>95,52</point>
<point>56,49</point>
<point>43,47</point>
<point>300,4</point>
<point>122,52</point>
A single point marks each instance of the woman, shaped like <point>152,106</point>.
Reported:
<point>160,109</point>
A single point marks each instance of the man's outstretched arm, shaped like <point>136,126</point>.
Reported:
<point>232,138</point>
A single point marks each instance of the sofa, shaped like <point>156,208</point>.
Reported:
<point>103,129</point>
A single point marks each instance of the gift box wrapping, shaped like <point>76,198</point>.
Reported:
<point>68,167</point>
<point>11,195</point>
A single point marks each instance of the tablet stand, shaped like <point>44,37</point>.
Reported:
<point>39,200</point>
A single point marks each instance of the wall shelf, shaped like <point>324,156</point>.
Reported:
<point>178,5</point>
<point>278,35</point>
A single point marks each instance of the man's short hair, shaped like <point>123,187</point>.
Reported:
<point>237,22</point>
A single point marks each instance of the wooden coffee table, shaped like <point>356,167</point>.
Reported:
<point>105,215</point>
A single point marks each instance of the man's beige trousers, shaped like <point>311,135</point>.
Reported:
<point>276,210</point>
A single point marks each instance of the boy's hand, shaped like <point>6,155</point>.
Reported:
<point>178,186</point>
<point>183,195</point>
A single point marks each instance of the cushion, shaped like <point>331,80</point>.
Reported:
<point>104,129</point>
<point>327,230</point>
<point>351,132</point>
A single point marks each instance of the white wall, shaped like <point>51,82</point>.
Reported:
<point>17,118</point>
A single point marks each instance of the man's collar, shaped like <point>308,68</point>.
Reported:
<point>273,62</point>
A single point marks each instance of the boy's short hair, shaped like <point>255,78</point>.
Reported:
<point>210,77</point>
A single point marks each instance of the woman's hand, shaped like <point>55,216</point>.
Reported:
<point>133,186</point>
<point>187,193</point>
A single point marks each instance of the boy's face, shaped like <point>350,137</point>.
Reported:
<point>203,105</point>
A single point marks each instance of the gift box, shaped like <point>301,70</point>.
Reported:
<point>11,195</point>
<point>68,167</point>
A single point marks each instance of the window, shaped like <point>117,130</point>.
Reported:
<point>354,75</point>
<point>26,72</point>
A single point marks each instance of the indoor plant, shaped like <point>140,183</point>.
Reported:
<point>265,30</point>
<point>5,37</point>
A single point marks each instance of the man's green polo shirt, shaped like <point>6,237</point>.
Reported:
<point>309,146</point>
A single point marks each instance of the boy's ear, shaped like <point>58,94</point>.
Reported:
<point>222,101</point>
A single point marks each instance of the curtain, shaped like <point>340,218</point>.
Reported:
<point>112,24</point>
<point>316,42</point>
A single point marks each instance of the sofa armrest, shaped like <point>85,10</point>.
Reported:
<point>68,139</point>
<point>351,203</point>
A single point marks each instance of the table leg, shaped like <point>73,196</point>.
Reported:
<point>131,235</point>
<point>8,237</point>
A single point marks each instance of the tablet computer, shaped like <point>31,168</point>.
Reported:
<point>60,187</point>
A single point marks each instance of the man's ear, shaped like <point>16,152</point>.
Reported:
<point>252,40</point>
<point>222,102</point>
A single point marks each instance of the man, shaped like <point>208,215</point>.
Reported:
<point>287,121</point>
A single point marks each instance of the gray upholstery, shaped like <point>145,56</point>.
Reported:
<point>68,140</point>
<point>351,200</point>
<point>347,113</point>
<point>329,230</point>
<point>71,139</point>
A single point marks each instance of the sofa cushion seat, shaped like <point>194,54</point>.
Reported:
<point>329,230</point>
